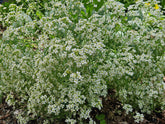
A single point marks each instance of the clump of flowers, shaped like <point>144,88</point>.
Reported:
<point>58,61</point>
<point>138,117</point>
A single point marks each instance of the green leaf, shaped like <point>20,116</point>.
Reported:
<point>102,122</point>
<point>100,117</point>
<point>39,14</point>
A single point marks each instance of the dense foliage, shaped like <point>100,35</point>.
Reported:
<point>58,58</point>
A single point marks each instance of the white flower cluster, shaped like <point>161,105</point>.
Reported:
<point>58,63</point>
<point>128,108</point>
<point>138,117</point>
<point>75,77</point>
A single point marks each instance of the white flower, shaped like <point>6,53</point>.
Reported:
<point>95,5</point>
<point>128,108</point>
<point>68,47</point>
<point>73,75</point>
<point>79,76</point>
<point>138,117</point>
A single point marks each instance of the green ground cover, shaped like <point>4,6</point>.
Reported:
<point>59,57</point>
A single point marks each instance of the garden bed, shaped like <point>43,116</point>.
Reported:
<point>82,62</point>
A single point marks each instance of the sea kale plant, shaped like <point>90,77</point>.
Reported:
<point>57,58</point>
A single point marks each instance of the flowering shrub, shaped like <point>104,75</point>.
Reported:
<point>135,65</point>
<point>57,61</point>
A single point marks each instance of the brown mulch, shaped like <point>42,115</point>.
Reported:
<point>6,114</point>
<point>114,114</point>
<point>2,29</point>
